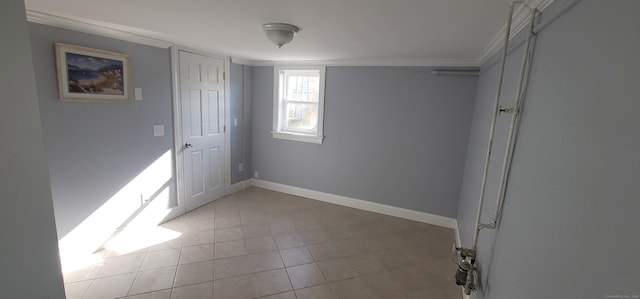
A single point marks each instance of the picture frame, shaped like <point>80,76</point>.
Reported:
<point>92,75</point>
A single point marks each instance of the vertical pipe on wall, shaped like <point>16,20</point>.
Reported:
<point>513,127</point>
<point>493,126</point>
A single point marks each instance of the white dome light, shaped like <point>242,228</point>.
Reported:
<point>280,33</point>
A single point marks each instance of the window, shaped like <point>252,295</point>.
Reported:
<point>298,103</point>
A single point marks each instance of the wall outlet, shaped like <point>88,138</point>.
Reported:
<point>460,215</point>
<point>255,174</point>
<point>240,167</point>
<point>235,122</point>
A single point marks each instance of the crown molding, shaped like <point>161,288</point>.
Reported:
<point>98,28</point>
<point>365,62</point>
<point>135,35</point>
<point>521,17</point>
<point>149,38</point>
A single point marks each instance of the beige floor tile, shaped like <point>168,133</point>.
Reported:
<point>194,291</point>
<point>265,261</point>
<point>365,263</point>
<point>229,234</point>
<point>163,294</point>
<point>317,292</point>
<point>110,287</point>
<point>178,224</point>
<point>286,295</point>
<point>194,273</point>
<point>226,212</point>
<point>433,293</point>
<point>296,256</point>
<point>256,231</point>
<point>75,290</point>
<point>383,286</point>
<point>326,251</point>
<point>261,244</point>
<point>160,259</point>
<point>170,244</point>
<point>254,219</point>
<point>283,227</point>
<point>330,252</point>
<point>240,287</point>
<point>279,215</point>
<point>227,222</point>
<point>351,288</point>
<point>419,277</point>
<point>197,238</point>
<point>153,280</point>
<point>350,247</point>
<point>306,223</point>
<point>200,224</point>
<point>315,236</point>
<point>270,282</point>
<point>289,240</point>
<point>121,264</point>
<point>307,275</point>
<point>85,273</point>
<point>230,267</point>
<point>339,233</point>
<point>230,249</point>
<point>392,258</point>
<point>337,269</point>
<point>197,253</point>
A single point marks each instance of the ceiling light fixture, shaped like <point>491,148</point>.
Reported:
<point>280,33</point>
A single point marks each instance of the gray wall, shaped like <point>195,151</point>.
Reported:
<point>29,251</point>
<point>95,149</point>
<point>394,135</point>
<point>241,110</point>
<point>570,222</point>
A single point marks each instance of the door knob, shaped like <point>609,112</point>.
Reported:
<point>188,145</point>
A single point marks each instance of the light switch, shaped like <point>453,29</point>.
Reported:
<point>235,122</point>
<point>158,130</point>
<point>137,92</point>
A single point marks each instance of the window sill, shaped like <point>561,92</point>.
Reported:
<point>297,137</point>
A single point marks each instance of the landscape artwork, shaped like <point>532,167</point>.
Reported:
<point>86,74</point>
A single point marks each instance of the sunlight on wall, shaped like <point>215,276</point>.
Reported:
<point>150,185</point>
<point>143,231</point>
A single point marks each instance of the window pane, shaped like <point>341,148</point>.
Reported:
<point>302,115</point>
<point>302,87</point>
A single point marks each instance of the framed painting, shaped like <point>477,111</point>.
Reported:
<point>92,75</point>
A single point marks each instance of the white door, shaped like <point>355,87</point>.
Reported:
<point>202,106</point>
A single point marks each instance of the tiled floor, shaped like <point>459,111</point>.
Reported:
<point>264,244</point>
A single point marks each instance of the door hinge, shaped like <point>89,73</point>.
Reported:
<point>224,76</point>
<point>224,129</point>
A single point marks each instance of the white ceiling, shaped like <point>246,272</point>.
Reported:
<point>387,32</point>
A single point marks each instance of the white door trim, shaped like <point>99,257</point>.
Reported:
<point>177,125</point>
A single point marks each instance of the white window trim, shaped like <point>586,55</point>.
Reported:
<point>293,136</point>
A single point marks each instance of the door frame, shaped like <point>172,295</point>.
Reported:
<point>177,125</point>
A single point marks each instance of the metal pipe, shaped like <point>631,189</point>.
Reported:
<point>506,163</point>
<point>493,126</point>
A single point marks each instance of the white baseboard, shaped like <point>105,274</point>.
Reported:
<point>239,186</point>
<point>359,204</point>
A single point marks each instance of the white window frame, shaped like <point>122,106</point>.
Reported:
<point>279,132</point>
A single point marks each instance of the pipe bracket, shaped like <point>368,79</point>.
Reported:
<point>507,110</point>
<point>489,226</point>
